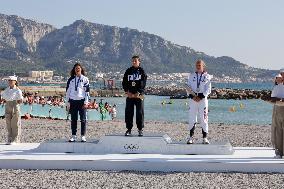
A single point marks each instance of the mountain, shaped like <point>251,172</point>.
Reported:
<point>18,43</point>
<point>26,45</point>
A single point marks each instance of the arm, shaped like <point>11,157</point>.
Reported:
<point>188,82</point>
<point>188,88</point>
<point>68,89</point>
<point>19,97</point>
<point>4,95</point>
<point>208,87</point>
<point>143,83</point>
<point>87,91</point>
<point>125,81</point>
<point>276,99</point>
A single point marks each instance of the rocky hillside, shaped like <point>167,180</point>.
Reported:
<point>26,44</point>
<point>18,43</point>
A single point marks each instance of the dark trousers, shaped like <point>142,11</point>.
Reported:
<point>75,107</point>
<point>129,113</point>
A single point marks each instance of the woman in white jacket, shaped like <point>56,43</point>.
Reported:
<point>13,97</point>
<point>200,84</point>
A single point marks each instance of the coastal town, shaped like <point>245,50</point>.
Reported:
<point>113,79</point>
<point>46,83</point>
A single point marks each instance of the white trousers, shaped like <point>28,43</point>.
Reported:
<point>198,108</point>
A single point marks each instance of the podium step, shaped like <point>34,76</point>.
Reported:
<point>244,159</point>
<point>149,144</point>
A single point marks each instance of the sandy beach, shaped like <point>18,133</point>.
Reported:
<point>38,130</point>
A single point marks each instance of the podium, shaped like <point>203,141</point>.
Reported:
<point>148,144</point>
<point>152,152</point>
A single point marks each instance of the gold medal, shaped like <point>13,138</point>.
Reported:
<point>133,84</point>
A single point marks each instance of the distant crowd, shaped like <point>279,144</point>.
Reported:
<point>30,98</point>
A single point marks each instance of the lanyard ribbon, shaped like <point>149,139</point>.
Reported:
<point>198,80</point>
<point>77,83</point>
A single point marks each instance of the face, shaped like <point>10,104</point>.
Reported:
<point>279,80</point>
<point>135,62</point>
<point>11,83</point>
<point>199,67</point>
<point>78,70</point>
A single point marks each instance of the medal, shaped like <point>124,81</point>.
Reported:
<point>133,84</point>
<point>198,80</point>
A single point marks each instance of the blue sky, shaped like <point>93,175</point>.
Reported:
<point>251,31</point>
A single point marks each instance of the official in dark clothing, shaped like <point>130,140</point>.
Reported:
<point>134,82</point>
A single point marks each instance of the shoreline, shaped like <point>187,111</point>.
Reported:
<point>173,92</point>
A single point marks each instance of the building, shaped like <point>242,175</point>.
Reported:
<point>43,75</point>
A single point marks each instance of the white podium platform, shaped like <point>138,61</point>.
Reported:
<point>115,153</point>
<point>149,144</point>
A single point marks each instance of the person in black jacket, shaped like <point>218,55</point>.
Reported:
<point>134,82</point>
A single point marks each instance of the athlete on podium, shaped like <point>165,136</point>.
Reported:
<point>200,85</point>
<point>134,82</point>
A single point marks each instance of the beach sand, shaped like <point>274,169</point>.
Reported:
<point>38,130</point>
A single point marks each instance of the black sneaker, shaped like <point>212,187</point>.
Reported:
<point>128,133</point>
<point>190,140</point>
<point>140,133</point>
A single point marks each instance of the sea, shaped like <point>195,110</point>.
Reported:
<point>231,112</point>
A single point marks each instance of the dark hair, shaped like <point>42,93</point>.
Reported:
<point>135,56</point>
<point>73,73</point>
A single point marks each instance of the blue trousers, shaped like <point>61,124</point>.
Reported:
<point>75,107</point>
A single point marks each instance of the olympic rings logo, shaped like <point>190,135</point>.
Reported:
<point>131,147</point>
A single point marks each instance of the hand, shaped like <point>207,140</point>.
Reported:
<point>196,99</point>
<point>135,95</point>
<point>130,95</point>
<point>68,105</point>
<point>85,106</point>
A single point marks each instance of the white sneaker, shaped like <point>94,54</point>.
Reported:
<point>13,143</point>
<point>73,138</point>
<point>205,141</point>
<point>83,139</point>
<point>190,140</point>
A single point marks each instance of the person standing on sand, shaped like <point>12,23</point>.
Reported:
<point>13,97</point>
<point>134,83</point>
<point>277,126</point>
<point>77,97</point>
<point>200,83</point>
<point>113,112</point>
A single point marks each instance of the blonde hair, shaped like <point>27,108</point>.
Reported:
<point>200,61</point>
